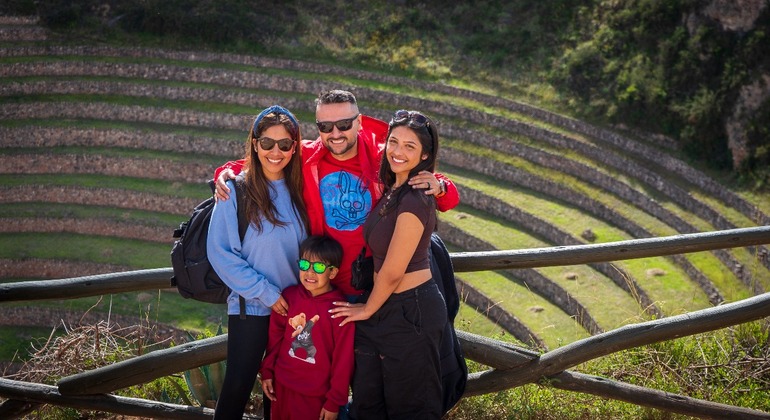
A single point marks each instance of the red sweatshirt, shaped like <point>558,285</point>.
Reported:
<point>339,195</point>
<point>307,351</point>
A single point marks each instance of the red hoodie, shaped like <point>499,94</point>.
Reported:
<point>371,143</point>
<point>308,352</point>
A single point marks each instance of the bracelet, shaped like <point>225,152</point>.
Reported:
<point>441,188</point>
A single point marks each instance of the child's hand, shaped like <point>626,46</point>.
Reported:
<point>281,307</point>
<point>267,389</point>
<point>327,415</point>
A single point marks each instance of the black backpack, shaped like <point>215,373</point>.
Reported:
<point>454,370</point>
<point>193,276</point>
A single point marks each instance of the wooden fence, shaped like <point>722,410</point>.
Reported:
<point>510,366</point>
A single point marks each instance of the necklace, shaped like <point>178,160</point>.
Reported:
<point>387,200</point>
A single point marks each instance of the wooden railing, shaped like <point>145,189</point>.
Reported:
<point>510,366</point>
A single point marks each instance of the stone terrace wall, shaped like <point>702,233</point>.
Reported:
<point>556,236</point>
<point>651,154</point>
<point>98,197</point>
<point>484,305</point>
<point>42,137</point>
<point>49,163</point>
<point>130,113</point>
<point>280,83</point>
<point>572,198</point>
<point>535,281</point>
<point>208,119</point>
<point>248,79</point>
<point>90,226</point>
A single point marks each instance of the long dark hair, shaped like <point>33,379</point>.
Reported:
<point>258,203</point>
<point>427,132</point>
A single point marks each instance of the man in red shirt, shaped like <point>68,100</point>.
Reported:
<point>340,175</point>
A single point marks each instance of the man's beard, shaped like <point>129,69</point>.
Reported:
<point>348,145</point>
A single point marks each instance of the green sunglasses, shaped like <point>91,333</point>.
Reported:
<point>318,267</point>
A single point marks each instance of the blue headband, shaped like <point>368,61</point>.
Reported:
<point>278,110</point>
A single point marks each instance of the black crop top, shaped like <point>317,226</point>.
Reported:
<point>378,229</point>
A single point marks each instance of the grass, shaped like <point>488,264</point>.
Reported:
<point>114,152</point>
<point>676,286</point>
<point>73,247</point>
<point>166,307</point>
<point>56,210</point>
<point>301,75</point>
<point>12,336</point>
<point>85,123</point>
<point>725,366</point>
<point>155,186</point>
<point>724,279</point>
<point>480,225</point>
<point>187,105</point>
<point>468,319</point>
<point>543,318</point>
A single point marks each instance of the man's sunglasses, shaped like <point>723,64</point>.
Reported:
<point>318,266</point>
<point>415,119</point>
<point>266,143</point>
<point>342,125</point>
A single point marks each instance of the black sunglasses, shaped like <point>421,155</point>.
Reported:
<point>266,143</point>
<point>342,125</point>
<point>415,119</point>
<point>318,267</point>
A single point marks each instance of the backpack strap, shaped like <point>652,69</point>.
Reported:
<point>243,221</point>
<point>243,225</point>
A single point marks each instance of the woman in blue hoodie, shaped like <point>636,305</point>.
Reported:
<point>261,266</point>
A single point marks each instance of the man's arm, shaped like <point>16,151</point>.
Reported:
<point>227,171</point>
<point>447,196</point>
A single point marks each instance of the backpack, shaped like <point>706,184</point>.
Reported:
<point>454,370</point>
<point>193,275</point>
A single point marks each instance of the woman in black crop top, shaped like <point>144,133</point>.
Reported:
<point>399,328</point>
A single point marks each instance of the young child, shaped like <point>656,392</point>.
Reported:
<point>309,360</point>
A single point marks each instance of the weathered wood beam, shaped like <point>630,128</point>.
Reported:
<point>623,338</point>
<point>145,368</point>
<point>494,353</point>
<point>159,278</point>
<point>96,285</point>
<point>612,251</point>
<point>47,394</point>
<point>646,397</point>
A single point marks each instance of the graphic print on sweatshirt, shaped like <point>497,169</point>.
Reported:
<point>302,346</point>
<point>346,200</point>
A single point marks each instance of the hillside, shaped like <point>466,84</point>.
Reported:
<point>104,150</point>
<point>696,71</point>
<point>114,143</point>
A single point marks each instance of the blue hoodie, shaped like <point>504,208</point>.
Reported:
<point>265,264</point>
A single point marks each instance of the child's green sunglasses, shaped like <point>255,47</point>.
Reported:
<point>318,267</point>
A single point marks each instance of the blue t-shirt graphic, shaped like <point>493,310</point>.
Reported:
<point>346,200</point>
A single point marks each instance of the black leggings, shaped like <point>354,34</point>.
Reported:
<point>246,344</point>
